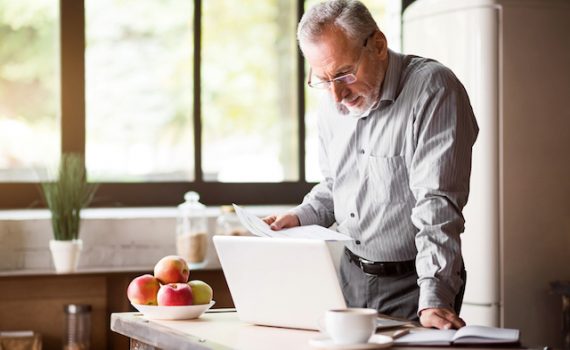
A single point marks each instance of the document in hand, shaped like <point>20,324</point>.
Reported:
<point>465,335</point>
<point>259,228</point>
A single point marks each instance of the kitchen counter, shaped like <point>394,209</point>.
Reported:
<point>220,330</point>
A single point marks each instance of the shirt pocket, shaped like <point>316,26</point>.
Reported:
<point>388,179</point>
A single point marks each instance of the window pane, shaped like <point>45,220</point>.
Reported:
<point>249,102</point>
<point>387,14</point>
<point>139,59</point>
<point>29,89</point>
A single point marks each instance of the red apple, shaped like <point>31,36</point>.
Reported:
<point>174,294</point>
<point>171,269</point>
<point>143,290</point>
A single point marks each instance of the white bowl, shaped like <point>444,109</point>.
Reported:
<point>173,312</point>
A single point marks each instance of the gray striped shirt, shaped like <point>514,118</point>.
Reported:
<point>397,179</point>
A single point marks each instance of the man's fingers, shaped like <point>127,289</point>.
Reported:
<point>285,221</point>
<point>441,319</point>
<point>439,322</point>
<point>456,321</point>
<point>279,223</point>
<point>269,219</point>
<point>452,318</point>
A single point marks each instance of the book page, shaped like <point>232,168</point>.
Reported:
<point>482,334</point>
<point>427,337</point>
<point>259,228</point>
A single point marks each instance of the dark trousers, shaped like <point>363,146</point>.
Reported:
<point>395,296</point>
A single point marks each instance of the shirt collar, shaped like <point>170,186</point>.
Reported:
<point>389,86</point>
<point>392,77</point>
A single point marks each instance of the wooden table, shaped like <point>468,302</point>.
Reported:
<point>217,330</point>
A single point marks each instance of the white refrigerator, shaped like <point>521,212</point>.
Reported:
<point>513,57</point>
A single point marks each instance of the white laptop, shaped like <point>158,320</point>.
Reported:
<point>283,282</point>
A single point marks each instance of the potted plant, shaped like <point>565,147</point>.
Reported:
<point>65,197</point>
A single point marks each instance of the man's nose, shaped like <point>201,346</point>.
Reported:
<point>337,90</point>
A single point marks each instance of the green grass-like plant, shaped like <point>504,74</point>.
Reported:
<point>66,196</point>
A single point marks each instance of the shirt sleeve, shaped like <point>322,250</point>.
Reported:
<point>445,131</point>
<point>317,207</point>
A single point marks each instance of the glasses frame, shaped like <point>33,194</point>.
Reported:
<point>345,79</point>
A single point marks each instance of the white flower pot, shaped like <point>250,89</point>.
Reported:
<point>65,254</point>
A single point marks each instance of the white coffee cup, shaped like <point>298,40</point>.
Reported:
<point>351,325</point>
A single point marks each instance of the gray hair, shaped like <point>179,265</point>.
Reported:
<point>351,16</point>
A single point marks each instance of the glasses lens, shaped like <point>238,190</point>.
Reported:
<point>346,79</point>
<point>319,84</point>
<point>325,84</point>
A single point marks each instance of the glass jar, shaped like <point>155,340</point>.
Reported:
<point>77,328</point>
<point>228,222</point>
<point>192,230</point>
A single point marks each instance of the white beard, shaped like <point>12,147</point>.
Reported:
<point>353,112</point>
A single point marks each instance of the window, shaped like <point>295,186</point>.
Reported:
<point>138,87</point>
<point>161,97</point>
<point>249,103</point>
<point>29,89</point>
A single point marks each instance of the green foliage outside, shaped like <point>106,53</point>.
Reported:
<point>28,60</point>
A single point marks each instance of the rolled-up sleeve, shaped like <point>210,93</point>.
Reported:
<point>445,131</point>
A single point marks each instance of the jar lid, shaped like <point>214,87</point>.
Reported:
<point>77,308</point>
<point>191,196</point>
<point>191,203</point>
<point>227,209</point>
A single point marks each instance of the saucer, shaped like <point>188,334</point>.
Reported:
<point>377,341</point>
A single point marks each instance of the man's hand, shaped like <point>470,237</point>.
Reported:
<point>277,222</point>
<point>440,318</point>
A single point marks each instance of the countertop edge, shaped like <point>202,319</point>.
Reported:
<point>134,326</point>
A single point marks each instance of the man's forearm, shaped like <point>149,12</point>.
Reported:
<point>317,207</point>
<point>439,260</point>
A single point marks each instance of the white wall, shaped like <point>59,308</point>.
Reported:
<point>112,238</point>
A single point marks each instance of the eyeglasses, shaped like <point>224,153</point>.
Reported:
<point>345,79</point>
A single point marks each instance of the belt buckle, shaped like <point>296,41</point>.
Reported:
<point>362,263</point>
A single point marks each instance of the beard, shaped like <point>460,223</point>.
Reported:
<point>370,99</point>
<point>356,112</point>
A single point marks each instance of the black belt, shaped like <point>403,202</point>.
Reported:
<point>384,269</point>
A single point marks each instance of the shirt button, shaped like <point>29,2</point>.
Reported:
<point>361,151</point>
<point>357,242</point>
<point>351,215</point>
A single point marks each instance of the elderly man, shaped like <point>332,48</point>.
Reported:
<point>396,134</point>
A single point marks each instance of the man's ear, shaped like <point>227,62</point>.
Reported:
<point>380,45</point>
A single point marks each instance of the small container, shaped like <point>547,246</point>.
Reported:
<point>192,230</point>
<point>228,223</point>
<point>77,328</point>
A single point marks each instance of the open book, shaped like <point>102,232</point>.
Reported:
<point>465,335</point>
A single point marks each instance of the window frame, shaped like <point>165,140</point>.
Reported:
<point>122,194</point>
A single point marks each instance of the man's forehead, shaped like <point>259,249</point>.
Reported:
<point>330,54</point>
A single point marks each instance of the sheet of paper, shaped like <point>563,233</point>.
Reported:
<point>259,228</point>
